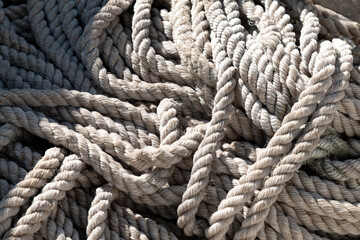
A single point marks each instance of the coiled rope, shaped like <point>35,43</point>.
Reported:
<point>178,120</point>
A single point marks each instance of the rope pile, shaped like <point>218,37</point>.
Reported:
<point>178,119</point>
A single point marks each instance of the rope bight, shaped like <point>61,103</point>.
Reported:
<point>178,119</point>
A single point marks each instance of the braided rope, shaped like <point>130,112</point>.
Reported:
<point>34,180</point>
<point>178,120</point>
<point>46,201</point>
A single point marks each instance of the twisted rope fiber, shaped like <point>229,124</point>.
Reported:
<point>178,120</point>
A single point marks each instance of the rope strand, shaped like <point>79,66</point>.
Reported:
<point>178,119</point>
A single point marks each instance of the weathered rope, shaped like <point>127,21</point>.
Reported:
<point>216,119</point>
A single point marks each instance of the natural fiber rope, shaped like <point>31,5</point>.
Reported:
<point>178,120</point>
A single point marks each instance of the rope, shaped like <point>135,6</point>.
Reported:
<point>178,120</point>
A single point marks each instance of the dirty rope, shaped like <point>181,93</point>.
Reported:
<point>181,119</point>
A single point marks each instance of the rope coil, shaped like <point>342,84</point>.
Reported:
<point>178,120</point>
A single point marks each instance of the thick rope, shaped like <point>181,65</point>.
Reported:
<point>178,120</point>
